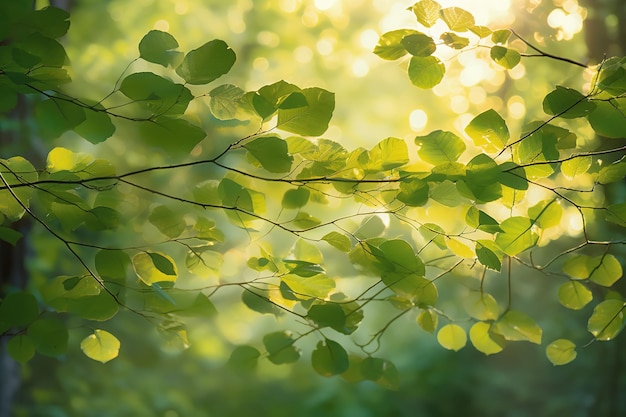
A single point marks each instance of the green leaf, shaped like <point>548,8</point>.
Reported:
<point>329,315</point>
<point>478,219</point>
<point>158,47</point>
<point>306,221</point>
<point>607,319</point>
<point>418,290</point>
<point>18,309</point>
<point>454,41</point>
<point>516,236</point>
<point>481,306</point>
<point>413,192</point>
<point>50,21</point>
<point>561,352</point>
<point>488,255</point>
<point>200,307</point>
<point>388,154</point>
<point>55,116</point>
<point>207,63</point>
<point>271,152</point>
<point>427,319</point>
<point>481,179</point>
<point>169,222</point>
<point>280,348</point>
<point>381,371</point>
<point>546,213</point>
<point>567,103</point>
<point>607,118</point>
<point>257,300</point>
<point>481,31</point>
<point>505,57</point>
<point>21,348</point>
<point>100,346</point>
<point>338,240</point>
<point>426,72</point>
<point>153,267</point>
<point>159,95</point>
<point>574,295</point>
<point>439,147</point>
<point>513,176</point>
<point>317,286</point>
<point>97,126</point>
<point>500,36</point>
<point>515,325</point>
<point>426,12</point>
<point>390,45</point>
<point>452,337</point>
<point>401,256</point>
<point>612,173</point>
<point>244,358</point>
<point>112,264</point>
<point>616,213</point>
<point>311,120</point>
<point>418,44</point>
<point>49,335</point>
<point>11,236</point>
<point>457,19</point>
<point>489,131</point>
<point>604,270</point>
<point>447,194</point>
<point>484,340</point>
<point>226,102</point>
<point>176,137</point>
<point>459,249</point>
<point>329,358</point>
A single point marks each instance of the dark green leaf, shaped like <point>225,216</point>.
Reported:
<point>18,309</point>
<point>97,126</point>
<point>413,192</point>
<point>478,219</point>
<point>244,358</point>
<point>176,137</point>
<point>567,103</point>
<point>500,36</point>
<point>280,348</point>
<point>259,301</point>
<point>162,263</point>
<point>513,176</point>
<point>271,152</point>
<point>489,255</point>
<point>418,44</point>
<point>169,222</point>
<point>329,315</point>
<point>296,198</point>
<point>21,348</point>
<point>11,236</point>
<point>608,119</point>
<point>329,358</point>
<point>160,95</point>
<point>207,63</point>
<point>390,45</point>
<point>157,46</point>
<point>49,335</point>
<point>55,116</point>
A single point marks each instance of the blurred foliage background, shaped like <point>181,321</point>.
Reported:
<point>328,43</point>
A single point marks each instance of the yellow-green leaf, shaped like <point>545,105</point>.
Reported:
<point>100,346</point>
<point>452,337</point>
<point>561,352</point>
<point>483,339</point>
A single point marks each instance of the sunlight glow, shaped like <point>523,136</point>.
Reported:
<point>568,20</point>
<point>516,107</point>
<point>162,24</point>
<point>360,68</point>
<point>181,7</point>
<point>303,54</point>
<point>369,39</point>
<point>324,4</point>
<point>418,119</point>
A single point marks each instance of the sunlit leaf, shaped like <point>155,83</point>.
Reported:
<point>505,57</point>
<point>481,306</point>
<point>388,154</point>
<point>616,213</point>
<point>454,41</point>
<point>607,119</point>
<point>484,340</point>
<point>426,12</point>
<point>413,192</point>
<point>426,72</point>
<point>574,295</point>
<point>457,19</point>
<point>153,267</point>
<point>481,31</point>
<point>452,337</point>
<point>329,358</point>
<point>338,240</point>
<point>390,44</point>
<point>607,319</point>
<point>418,44</point>
<point>207,63</point>
<point>226,102</point>
<point>516,236</point>
<point>440,147</point>
<point>500,36</point>
<point>317,286</point>
<point>561,352</point>
<point>312,119</point>
<point>489,131</point>
<point>427,320</point>
<point>612,173</point>
<point>100,346</point>
<point>478,219</point>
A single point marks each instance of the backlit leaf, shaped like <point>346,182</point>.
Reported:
<point>312,119</point>
<point>158,47</point>
<point>612,173</point>
<point>426,72</point>
<point>390,44</point>
<point>413,192</point>
<point>607,319</point>
<point>505,57</point>
<point>484,340</point>
<point>500,36</point>
<point>426,12</point>
<point>481,306</point>
<point>153,267</point>
<point>100,346</point>
<point>329,358</point>
<point>454,41</point>
<point>418,44</point>
<point>452,337</point>
<point>457,19</point>
<point>546,213</point>
<point>616,213</point>
<point>226,102</point>
<point>338,240</point>
<point>574,295</point>
<point>317,286</point>
<point>427,320</point>
<point>516,236</point>
<point>271,152</point>
<point>169,222</point>
<point>489,131</point>
<point>440,147</point>
<point>388,154</point>
<point>561,352</point>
